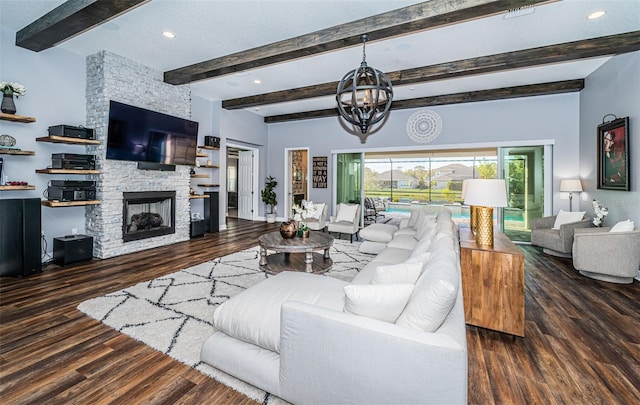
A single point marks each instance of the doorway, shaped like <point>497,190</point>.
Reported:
<point>297,175</point>
<point>241,182</point>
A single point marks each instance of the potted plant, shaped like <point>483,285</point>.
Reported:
<point>270,198</point>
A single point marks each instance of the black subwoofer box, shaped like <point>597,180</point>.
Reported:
<point>198,227</point>
<point>72,248</point>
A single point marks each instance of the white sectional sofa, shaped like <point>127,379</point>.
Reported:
<point>394,335</point>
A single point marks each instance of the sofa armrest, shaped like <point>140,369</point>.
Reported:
<point>543,223</point>
<point>335,357</point>
<point>567,230</point>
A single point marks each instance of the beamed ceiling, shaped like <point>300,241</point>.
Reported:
<point>435,52</point>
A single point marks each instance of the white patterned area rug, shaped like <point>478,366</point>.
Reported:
<point>174,313</point>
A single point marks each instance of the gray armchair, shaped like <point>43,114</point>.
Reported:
<point>556,242</point>
<point>607,256</point>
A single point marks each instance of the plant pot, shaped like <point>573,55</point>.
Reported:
<point>8,106</point>
<point>271,218</point>
<point>288,230</point>
<point>305,234</point>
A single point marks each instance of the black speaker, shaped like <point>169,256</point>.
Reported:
<point>198,227</point>
<point>72,248</point>
<point>20,229</point>
<point>213,141</point>
<point>211,211</point>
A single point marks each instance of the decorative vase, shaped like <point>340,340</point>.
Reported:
<point>8,106</point>
<point>305,234</point>
<point>288,230</point>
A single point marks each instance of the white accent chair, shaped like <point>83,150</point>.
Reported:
<point>347,220</point>
<point>321,223</point>
<point>607,256</point>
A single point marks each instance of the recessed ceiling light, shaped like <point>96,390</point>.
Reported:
<point>168,34</point>
<point>257,81</point>
<point>596,14</point>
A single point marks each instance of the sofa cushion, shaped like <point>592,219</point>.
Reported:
<point>393,255</point>
<point>565,217</point>
<point>406,272</point>
<point>378,232</point>
<point>403,242</point>
<point>405,231</point>
<point>254,315</point>
<point>623,226</point>
<point>371,247</point>
<point>434,294</point>
<point>382,301</point>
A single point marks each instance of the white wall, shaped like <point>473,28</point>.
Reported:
<point>612,89</point>
<point>55,83</point>
<point>494,123</point>
<point>244,129</point>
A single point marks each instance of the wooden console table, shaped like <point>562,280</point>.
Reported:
<point>492,283</point>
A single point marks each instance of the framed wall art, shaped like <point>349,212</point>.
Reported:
<point>613,154</point>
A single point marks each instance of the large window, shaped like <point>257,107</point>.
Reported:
<point>426,177</point>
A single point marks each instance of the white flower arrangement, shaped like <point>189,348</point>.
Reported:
<point>12,89</point>
<point>303,212</point>
<point>599,213</point>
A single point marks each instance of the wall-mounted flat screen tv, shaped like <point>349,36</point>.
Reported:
<point>142,135</point>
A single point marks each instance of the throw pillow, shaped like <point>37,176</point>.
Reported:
<point>346,212</point>
<point>406,272</point>
<point>565,217</point>
<point>420,256</point>
<point>413,218</point>
<point>384,302</point>
<point>623,226</point>
<point>318,213</point>
<point>435,295</point>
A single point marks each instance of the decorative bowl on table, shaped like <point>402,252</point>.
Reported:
<point>288,229</point>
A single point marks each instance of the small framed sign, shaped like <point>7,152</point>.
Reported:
<point>319,172</point>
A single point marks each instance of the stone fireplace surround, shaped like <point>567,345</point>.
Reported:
<point>112,77</point>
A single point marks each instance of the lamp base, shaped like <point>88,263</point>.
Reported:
<point>473,218</point>
<point>484,233</point>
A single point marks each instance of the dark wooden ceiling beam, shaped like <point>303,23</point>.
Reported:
<point>417,17</point>
<point>70,19</point>
<point>588,48</point>
<point>566,86</point>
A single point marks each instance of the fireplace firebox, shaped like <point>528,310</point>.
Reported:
<point>148,214</point>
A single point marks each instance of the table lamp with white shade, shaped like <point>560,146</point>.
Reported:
<point>484,194</point>
<point>571,186</point>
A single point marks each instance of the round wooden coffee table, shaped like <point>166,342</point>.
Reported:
<point>295,254</point>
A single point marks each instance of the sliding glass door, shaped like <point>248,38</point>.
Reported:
<point>349,178</point>
<point>523,170</point>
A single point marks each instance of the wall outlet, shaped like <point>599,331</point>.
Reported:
<point>74,231</point>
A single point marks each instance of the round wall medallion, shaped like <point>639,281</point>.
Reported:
<point>424,126</point>
<point>7,140</point>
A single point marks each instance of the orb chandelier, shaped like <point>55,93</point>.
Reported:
<point>364,94</point>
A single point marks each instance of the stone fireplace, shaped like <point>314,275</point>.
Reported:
<point>148,214</point>
<point>113,77</point>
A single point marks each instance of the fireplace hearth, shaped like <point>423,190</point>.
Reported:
<point>148,214</point>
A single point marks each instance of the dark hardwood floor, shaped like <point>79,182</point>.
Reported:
<point>581,344</point>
